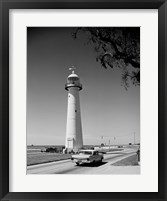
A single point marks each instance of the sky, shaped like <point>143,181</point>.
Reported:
<point>107,109</point>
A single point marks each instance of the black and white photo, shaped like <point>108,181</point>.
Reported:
<point>83,100</point>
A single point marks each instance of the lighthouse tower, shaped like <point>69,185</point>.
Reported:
<point>74,139</point>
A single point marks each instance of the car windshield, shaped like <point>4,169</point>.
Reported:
<point>85,152</point>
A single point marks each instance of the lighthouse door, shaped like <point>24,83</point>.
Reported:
<point>70,143</point>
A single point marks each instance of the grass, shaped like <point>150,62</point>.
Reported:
<point>129,161</point>
<point>38,158</point>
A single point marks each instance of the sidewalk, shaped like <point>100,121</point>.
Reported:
<point>129,170</point>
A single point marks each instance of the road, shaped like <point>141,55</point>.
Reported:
<point>67,167</point>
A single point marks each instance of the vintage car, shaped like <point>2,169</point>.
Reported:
<point>87,156</point>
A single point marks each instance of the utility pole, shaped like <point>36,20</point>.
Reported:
<point>101,140</point>
<point>134,137</point>
<point>114,140</point>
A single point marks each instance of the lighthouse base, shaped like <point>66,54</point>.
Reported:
<point>71,147</point>
<point>69,151</point>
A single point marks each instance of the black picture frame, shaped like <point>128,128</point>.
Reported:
<point>5,6</point>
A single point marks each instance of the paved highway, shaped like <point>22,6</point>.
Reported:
<point>68,167</point>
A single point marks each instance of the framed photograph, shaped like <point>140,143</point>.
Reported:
<point>83,100</point>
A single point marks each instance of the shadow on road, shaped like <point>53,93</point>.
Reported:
<point>92,165</point>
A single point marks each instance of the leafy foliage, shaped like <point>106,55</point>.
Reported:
<point>116,47</point>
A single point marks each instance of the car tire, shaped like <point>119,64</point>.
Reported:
<point>77,164</point>
<point>100,161</point>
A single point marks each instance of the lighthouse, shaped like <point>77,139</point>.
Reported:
<point>74,139</point>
